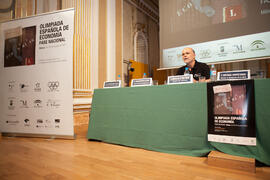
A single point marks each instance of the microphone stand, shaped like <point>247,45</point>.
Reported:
<point>128,69</point>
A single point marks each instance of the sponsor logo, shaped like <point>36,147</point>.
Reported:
<point>53,103</point>
<point>11,86</point>
<point>24,104</point>
<point>57,121</point>
<point>26,122</point>
<point>238,48</point>
<point>222,51</point>
<point>53,86</point>
<point>11,105</point>
<point>257,45</point>
<point>37,103</point>
<point>11,122</point>
<point>37,87</point>
<point>39,126</point>
<point>205,54</point>
<point>24,87</point>
<point>39,121</point>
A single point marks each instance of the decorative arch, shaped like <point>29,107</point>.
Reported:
<point>140,47</point>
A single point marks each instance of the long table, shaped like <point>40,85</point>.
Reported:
<point>171,119</point>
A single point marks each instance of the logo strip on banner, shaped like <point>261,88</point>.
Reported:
<point>231,49</point>
<point>250,141</point>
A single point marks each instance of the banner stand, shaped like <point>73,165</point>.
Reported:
<point>220,159</point>
<point>46,136</point>
<point>36,72</point>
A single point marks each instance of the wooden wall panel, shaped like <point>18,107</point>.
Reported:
<point>119,39</point>
<point>82,31</point>
<point>102,43</point>
<point>23,8</point>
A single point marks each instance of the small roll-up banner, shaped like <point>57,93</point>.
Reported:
<point>36,75</point>
<point>231,112</point>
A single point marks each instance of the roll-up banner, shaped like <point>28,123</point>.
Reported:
<point>36,75</point>
<point>231,112</point>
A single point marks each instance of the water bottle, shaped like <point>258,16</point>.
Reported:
<point>118,77</point>
<point>213,73</point>
<point>119,80</point>
<point>144,75</point>
<point>186,71</point>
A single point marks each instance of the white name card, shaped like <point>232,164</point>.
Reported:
<point>222,88</point>
<point>234,75</point>
<point>180,79</point>
<point>112,84</point>
<point>142,82</point>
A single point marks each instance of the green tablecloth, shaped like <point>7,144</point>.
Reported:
<point>171,119</point>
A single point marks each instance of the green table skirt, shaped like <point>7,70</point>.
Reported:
<point>171,119</point>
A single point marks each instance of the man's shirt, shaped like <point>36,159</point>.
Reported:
<point>199,69</point>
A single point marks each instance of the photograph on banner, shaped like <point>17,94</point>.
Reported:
<point>231,112</point>
<point>19,46</point>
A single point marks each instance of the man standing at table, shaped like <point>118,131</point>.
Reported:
<point>196,68</point>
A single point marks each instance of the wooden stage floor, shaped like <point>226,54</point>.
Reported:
<point>39,158</point>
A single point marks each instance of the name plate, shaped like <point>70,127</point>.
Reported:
<point>112,84</point>
<point>234,75</point>
<point>141,82</point>
<point>180,79</point>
